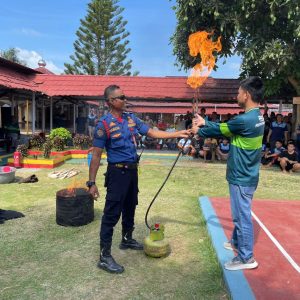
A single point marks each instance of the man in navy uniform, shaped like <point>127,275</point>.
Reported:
<point>116,132</point>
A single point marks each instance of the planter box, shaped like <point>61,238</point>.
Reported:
<point>71,153</point>
<point>39,163</point>
<point>56,159</point>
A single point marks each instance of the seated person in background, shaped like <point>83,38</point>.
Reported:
<point>161,125</point>
<point>149,121</point>
<point>289,159</point>
<point>186,149</point>
<point>214,117</point>
<point>208,151</point>
<point>197,144</point>
<point>171,143</point>
<point>271,156</point>
<point>223,149</point>
<point>265,148</point>
<point>149,142</point>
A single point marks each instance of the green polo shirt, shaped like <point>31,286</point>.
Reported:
<point>246,133</point>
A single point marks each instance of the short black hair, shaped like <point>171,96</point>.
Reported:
<point>108,90</point>
<point>254,86</point>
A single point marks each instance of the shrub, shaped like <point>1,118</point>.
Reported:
<point>81,141</point>
<point>58,143</point>
<point>47,148</point>
<point>78,141</point>
<point>23,149</point>
<point>88,141</point>
<point>62,133</point>
<point>36,142</point>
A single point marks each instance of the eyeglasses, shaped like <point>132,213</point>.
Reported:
<point>122,97</point>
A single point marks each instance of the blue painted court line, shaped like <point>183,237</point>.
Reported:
<point>236,282</point>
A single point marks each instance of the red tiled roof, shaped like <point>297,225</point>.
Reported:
<point>136,87</point>
<point>44,70</point>
<point>12,78</point>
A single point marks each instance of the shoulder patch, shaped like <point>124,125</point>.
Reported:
<point>100,132</point>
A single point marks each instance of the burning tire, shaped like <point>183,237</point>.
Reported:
<point>74,208</point>
<point>156,248</point>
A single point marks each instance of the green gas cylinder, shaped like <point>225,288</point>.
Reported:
<point>155,245</point>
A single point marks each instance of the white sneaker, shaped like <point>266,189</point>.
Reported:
<point>229,246</point>
<point>236,264</point>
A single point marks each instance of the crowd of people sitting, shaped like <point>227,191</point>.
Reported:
<point>281,146</point>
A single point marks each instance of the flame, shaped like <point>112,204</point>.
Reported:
<point>200,43</point>
<point>75,184</point>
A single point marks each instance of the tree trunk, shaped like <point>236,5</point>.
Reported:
<point>295,83</point>
<point>296,118</point>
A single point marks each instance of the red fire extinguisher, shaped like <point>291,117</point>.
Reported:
<point>17,159</point>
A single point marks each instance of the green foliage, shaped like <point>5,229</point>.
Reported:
<point>81,141</point>
<point>12,55</point>
<point>61,132</point>
<point>265,33</point>
<point>58,143</point>
<point>101,47</point>
<point>23,149</point>
<point>47,148</point>
<point>36,142</point>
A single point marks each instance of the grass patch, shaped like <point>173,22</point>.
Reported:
<point>41,260</point>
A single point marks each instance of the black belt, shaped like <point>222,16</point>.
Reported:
<point>124,165</point>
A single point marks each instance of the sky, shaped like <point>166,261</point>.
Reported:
<point>46,29</point>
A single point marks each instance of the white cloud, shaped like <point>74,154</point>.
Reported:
<point>28,32</point>
<point>31,58</point>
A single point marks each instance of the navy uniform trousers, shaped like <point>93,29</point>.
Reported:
<point>121,198</point>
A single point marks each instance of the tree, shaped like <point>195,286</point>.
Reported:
<point>12,55</point>
<point>101,45</point>
<point>266,33</point>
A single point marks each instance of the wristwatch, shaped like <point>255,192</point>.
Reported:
<point>90,183</point>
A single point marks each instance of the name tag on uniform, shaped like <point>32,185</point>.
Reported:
<point>116,135</point>
<point>114,129</point>
<point>131,124</point>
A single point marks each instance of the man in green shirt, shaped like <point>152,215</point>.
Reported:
<point>246,132</point>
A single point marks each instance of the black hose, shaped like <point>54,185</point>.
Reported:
<point>180,152</point>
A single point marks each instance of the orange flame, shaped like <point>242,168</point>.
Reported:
<point>74,185</point>
<point>200,43</point>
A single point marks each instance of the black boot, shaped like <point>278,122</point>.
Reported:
<point>128,242</point>
<point>107,262</point>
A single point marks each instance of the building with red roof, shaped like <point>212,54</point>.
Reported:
<point>38,95</point>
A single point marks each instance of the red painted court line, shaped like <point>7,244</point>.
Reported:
<point>275,277</point>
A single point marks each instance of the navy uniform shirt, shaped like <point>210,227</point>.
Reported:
<point>117,136</point>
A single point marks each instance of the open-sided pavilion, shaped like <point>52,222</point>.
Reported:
<point>37,96</point>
